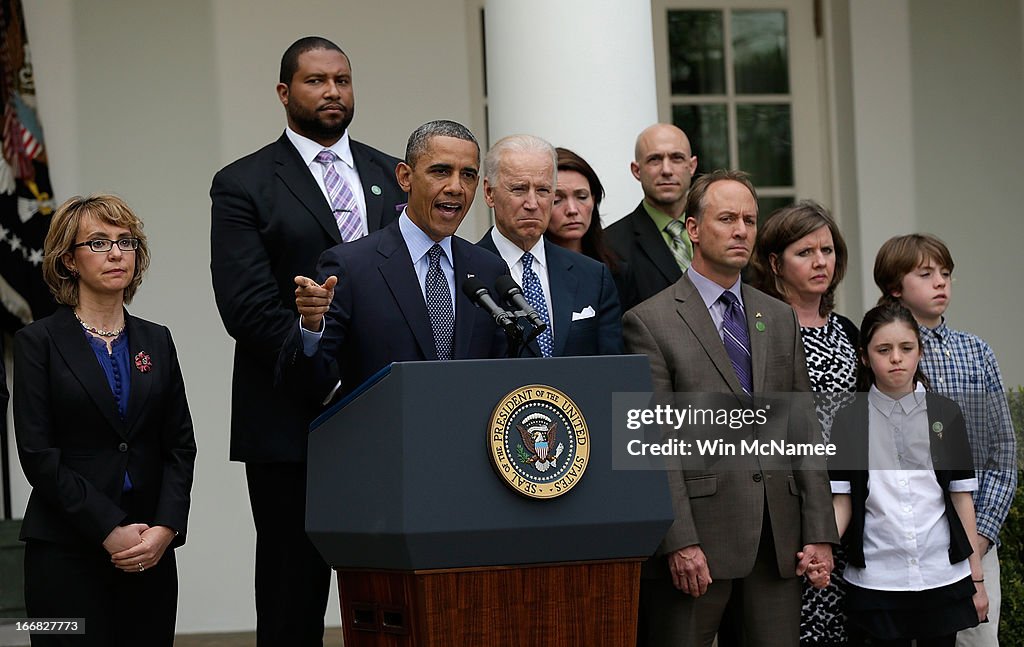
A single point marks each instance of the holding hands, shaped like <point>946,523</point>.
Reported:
<point>815,561</point>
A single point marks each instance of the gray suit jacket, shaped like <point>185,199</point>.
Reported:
<point>722,509</point>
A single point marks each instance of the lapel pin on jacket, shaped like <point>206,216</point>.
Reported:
<point>375,190</point>
<point>937,428</point>
<point>143,362</point>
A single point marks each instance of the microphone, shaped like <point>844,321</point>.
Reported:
<point>510,291</point>
<point>478,293</point>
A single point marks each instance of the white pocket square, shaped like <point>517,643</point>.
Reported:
<point>587,313</point>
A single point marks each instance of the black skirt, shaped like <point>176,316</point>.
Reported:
<point>891,615</point>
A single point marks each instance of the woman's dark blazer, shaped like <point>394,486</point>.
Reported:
<point>951,458</point>
<point>74,447</point>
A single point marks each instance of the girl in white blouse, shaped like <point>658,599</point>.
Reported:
<point>902,495</point>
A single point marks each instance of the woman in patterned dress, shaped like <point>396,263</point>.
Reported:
<point>800,258</point>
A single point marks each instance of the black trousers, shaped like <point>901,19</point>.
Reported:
<point>292,580</point>
<point>860,639</point>
<point>119,608</point>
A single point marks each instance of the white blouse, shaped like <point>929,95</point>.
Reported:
<point>906,534</point>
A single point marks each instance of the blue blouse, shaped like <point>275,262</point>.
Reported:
<point>116,366</point>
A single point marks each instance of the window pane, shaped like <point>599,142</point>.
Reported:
<point>768,206</point>
<point>760,52</point>
<point>765,140</point>
<point>696,51</point>
<point>708,130</point>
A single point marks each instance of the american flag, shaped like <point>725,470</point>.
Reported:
<point>26,199</point>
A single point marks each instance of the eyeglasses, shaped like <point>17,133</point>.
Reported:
<point>101,245</point>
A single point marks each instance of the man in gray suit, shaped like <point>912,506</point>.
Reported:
<point>740,534</point>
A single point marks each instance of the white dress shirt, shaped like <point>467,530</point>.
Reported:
<point>906,533</point>
<point>345,166</point>
<point>417,243</point>
<point>512,254</point>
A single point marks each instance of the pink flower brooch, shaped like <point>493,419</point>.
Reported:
<point>142,362</point>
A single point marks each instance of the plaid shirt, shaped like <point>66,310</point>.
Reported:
<point>963,367</point>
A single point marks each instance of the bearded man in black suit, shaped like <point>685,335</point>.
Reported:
<point>274,212</point>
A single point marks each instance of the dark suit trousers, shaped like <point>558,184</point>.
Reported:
<point>860,640</point>
<point>766,606</point>
<point>292,580</point>
<point>119,608</point>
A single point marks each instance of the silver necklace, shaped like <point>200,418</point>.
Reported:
<point>99,331</point>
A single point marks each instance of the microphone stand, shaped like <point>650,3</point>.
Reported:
<point>514,335</point>
<point>523,343</point>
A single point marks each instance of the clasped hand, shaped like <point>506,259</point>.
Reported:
<point>136,547</point>
<point>690,573</point>
<point>815,561</point>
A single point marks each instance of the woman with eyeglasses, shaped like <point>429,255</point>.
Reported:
<point>105,438</point>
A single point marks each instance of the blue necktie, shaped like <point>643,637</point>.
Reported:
<point>535,295</point>
<point>736,340</point>
<point>439,304</point>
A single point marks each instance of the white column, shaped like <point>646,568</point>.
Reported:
<point>579,73</point>
<point>883,128</point>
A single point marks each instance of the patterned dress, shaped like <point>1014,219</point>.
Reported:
<point>832,368</point>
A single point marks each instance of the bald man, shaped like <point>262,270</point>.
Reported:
<point>652,241</point>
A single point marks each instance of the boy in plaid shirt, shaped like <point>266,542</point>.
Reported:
<point>916,270</point>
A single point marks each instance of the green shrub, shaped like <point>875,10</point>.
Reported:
<point>1011,552</point>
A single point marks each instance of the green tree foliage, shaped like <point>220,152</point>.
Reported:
<point>1011,552</point>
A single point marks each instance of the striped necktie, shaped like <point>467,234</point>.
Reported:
<point>680,246</point>
<point>736,340</point>
<point>343,201</point>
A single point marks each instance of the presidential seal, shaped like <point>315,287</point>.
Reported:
<point>538,441</point>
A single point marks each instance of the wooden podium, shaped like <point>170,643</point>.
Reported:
<point>550,605</point>
<point>433,548</point>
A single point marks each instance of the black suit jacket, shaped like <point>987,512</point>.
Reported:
<point>650,266</point>
<point>951,458</point>
<point>270,222</point>
<point>75,448</point>
<point>379,316</point>
<point>577,283</point>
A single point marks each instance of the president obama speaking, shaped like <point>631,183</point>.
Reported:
<point>396,295</point>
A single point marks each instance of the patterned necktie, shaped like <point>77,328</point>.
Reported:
<point>680,246</point>
<point>343,201</point>
<point>535,295</point>
<point>736,340</point>
<point>439,304</point>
